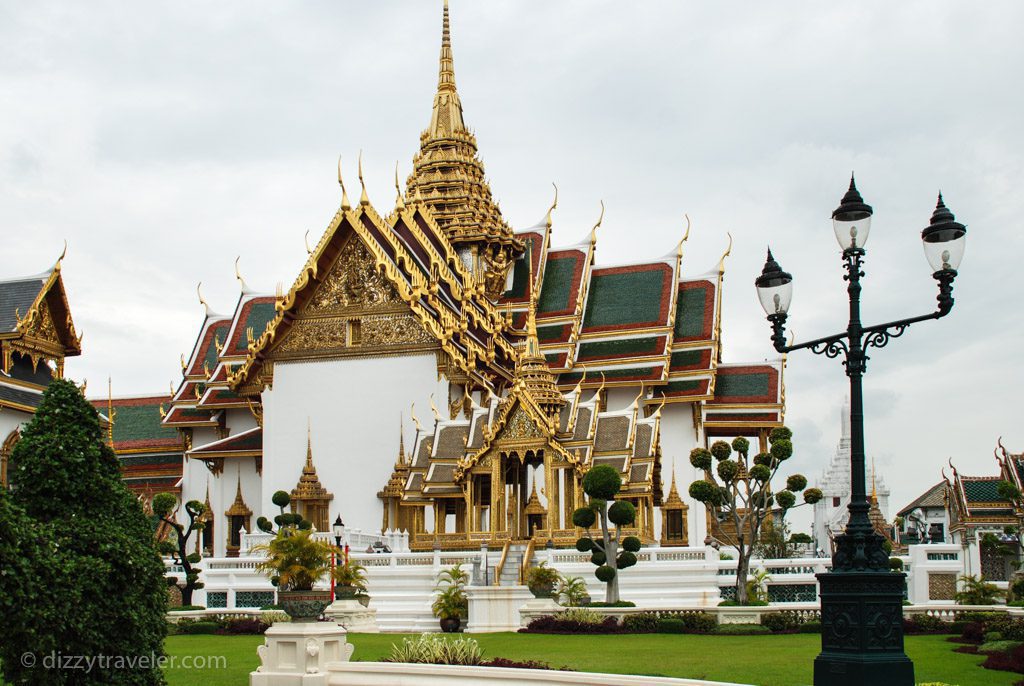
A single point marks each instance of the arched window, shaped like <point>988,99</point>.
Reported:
<point>5,454</point>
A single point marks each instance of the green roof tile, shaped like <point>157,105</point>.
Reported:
<point>984,491</point>
<point>741,385</point>
<point>560,275</point>
<point>139,423</point>
<point>630,347</point>
<point>622,297</point>
<point>694,359</point>
<point>694,311</point>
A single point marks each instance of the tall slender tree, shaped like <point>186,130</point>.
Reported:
<point>163,507</point>
<point>79,570</point>
<point>742,492</point>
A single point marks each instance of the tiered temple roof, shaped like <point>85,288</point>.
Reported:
<point>976,501</point>
<point>150,452</point>
<point>36,331</point>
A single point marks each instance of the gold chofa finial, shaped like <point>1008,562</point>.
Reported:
<point>345,204</point>
<point>399,203</point>
<point>238,275</point>
<point>364,200</point>
<point>554,205</point>
<point>686,235</point>
<point>202,300</point>
<point>415,421</point>
<point>593,231</point>
<point>305,239</point>
<point>728,251</point>
<point>63,254</point>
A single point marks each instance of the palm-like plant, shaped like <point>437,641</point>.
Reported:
<point>977,591</point>
<point>572,590</point>
<point>451,601</point>
<point>295,560</point>
<point>351,574</point>
<point>453,576</point>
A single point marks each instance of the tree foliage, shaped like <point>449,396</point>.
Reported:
<point>602,484</point>
<point>295,560</point>
<point>740,489</point>
<point>79,571</point>
<point>164,507</point>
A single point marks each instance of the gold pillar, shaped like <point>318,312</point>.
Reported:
<point>497,489</point>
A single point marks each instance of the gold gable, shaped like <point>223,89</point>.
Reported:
<point>353,283</point>
<point>353,311</point>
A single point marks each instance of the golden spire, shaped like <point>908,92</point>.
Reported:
<point>673,501</point>
<point>239,507</point>
<point>401,439</point>
<point>309,487</point>
<point>446,71</point>
<point>532,370</point>
<point>874,488</point>
<point>448,177</point>
<point>110,411</point>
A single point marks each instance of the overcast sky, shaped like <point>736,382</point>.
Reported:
<point>163,139</point>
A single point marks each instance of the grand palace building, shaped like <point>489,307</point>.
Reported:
<point>433,369</point>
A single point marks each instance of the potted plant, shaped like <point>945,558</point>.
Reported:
<point>572,591</point>
<point>295,562</point>
<point>450,604</point>
<point>350,582</point>
<point>541,580</point>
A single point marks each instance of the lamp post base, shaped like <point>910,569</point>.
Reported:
<point>862,630</point>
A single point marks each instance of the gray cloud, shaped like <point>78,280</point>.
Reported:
<point>164,139</point>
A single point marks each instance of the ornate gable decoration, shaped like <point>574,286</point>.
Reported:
<point>353,283</point>
<point>518,422</point>
<point>354,310</point>
<point>521,426</point>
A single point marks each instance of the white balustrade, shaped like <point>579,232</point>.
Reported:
<point>401,583</point>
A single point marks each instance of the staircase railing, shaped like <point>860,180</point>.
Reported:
<point>501,563</point>
<point>525,567</point>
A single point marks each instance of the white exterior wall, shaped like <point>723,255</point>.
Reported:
<point>353,407</point>
<point>10,420</point>
<point>678,438</point>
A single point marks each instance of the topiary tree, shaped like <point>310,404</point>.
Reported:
<point>742,491</point>
<point>602,484</point>
<point>287,522</point>
<point>79,570</point>
<point>164,506</point>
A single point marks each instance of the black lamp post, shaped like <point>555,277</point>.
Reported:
<point>861,599</point>
<point>339,530</point>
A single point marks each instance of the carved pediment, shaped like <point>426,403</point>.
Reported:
<point>353,311</point>
<point>521,426</point>
<point>353,282</point>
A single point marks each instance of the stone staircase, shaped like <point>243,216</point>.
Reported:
<point>513,563</point>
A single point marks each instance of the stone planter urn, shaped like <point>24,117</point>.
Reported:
<point>450,625</point>
<point>303,606</point>
<point>543,590</point>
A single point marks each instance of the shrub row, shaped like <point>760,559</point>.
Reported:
<point>222,624</point>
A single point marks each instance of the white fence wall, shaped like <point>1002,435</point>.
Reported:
<point>401,584</point>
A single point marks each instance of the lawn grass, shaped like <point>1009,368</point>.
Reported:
<point>762,660</point>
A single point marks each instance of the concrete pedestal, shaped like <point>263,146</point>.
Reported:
<point>296,654</point>
<point>495,608</point>
<point>537,607</point>
<point>353,616</point>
